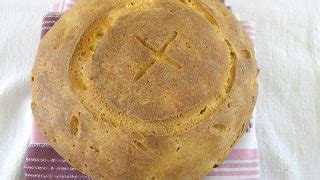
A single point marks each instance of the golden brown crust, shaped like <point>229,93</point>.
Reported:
<point>128,90</point>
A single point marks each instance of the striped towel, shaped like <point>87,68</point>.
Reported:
<point>43,162</point>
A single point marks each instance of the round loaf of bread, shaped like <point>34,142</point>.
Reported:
<point>144,89</point>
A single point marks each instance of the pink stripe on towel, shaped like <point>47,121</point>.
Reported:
<point>242,154</point>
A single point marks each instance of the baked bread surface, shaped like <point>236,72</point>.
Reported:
<point>144,89</point>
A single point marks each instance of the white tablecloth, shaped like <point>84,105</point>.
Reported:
<point>288,108</point>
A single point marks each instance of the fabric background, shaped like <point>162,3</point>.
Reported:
<point>288,108</point>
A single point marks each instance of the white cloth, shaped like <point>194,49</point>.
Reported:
<point>288,108</point>
<point>20,26</point>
